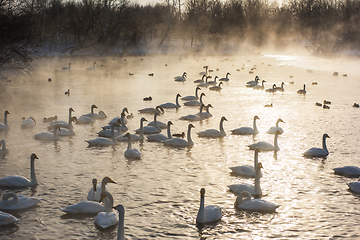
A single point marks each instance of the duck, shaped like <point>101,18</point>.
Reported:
<point>179,135</point>
<point>172,105</point>
<point>28,123</point>
<point>216,88</point>
<point>16,181</point>
<point>190,97</point>
<point>226,78</point>
<point>272,130</point>
<point>179,142</point>
<point>7,219</point>
<point>159,110</point>
<point>121,233</point>
<point>318,104</point>
<point>200,80</point>
<point>266,146</point>
<point>244,202</point>
<point>130,116</point>
<point>160,137</point>
<point>247,170</point>
<point>280,89</point>
<point>181,78</point>
<point>326,106</point>
<point>67,67</point>
<point>194,117</point>
<point>95,192</point>
<point>5,126</point>
<point>49,136</point>
<point>356,105</point>
<point>62,124</point>
<point>91,68</point>
<point>254,190</point>
<point>147,98</point>
<point>318,152</point>
<point>268,105</point>
<point>195,102</point>
<point>3,149</point>
<point>206,114</point>
<point>108,218</point>
<point>260,87</point>
<point>214,133</point>
<point>272,90</point>
<point>135,137</point>
<point>102,142</point>
<point>131,153</point>
<point>247,130</point>
<point>204,84</point>
<point>86,119</point>
<point>17,202</point>
<point>67,92</point>
<point>302,91</point>
<point>354,186</point>
<point>208,214</point>
<point>150,129</point>
<point>348,171</point>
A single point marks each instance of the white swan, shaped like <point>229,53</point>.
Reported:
<point>195,102</point>
<point>210,213</point>
<point>260,87</point>
<point>181,78</point>
<point>172,105</point>
<point>5,126</point>
<point>151,129</point>
<point>7,219</point>
<point>66,68</point>
<point>3,149</point>
<point>85,207</point>
<point>135,137</point>
<point>28,123</point>
<point>102,142</point>
<point>121,233</point>
<point>255,81</point>
<point>48,136</point>
<point>206,114</point>
<point>179,142</point>
<point>84,119</point>
<point>272,90</point>
<point>125,110</point>
<point>204,84</point>
<point>216,88</point>
<point>160,124</point>
<point>225,79</point>
<point>266,146</point>
<point>95,192</point>
<point>192,97</point>
<point>247,130</point>
<point>91,68</point>
<point>280,89</point>
<point>120,121</point>
<point>244,202</point>
<point>214,133</point>
<point>200,80</point>
<point>272,130</point>
<point>254,190</point>
<point>108,218</point>
<point>161,137</point>
<point>69,131</point>
<point>213,82</point>
<point>206,70</point>
<point>159,110</point>
<point>17,202</point>
<point>100,115</point>
<point>63,124</point>
<point>131,153</point>
<point>194,117</point>
<point>16,181</point>
<point>302,91</point>
<point>107,133</point>
<point>318,152</point>
<point>348,171</point>
<point>354,187</point>
<point>247,170</point>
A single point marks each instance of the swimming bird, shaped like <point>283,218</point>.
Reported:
<point>266,146</point>
<point>194,117</point>
<point>172,105</point>
<point>348,171</point>
<point>210,213</point>
<point>102,142</point>
<point>302,91</point>
<point>213,82</point>
<point>160,137</point>
<point>159,110</point>
<point>62,124</point>
<point>247,170</point>
<point>5,126</point>
<point>253,82</point>
<point>214,133</point>
<point>254,190</point>
<point>318,152</point>
<point>86,119</point>
<point>50,119</point>
<point>206,114</point>
<point>11,201</point>
<point>272,130</point>
<point>260,87</point>
<point>122,118</point>
<point>69,131</point>
<point>356,105</point>
<point>151,129</point>
<point>181,78</point>
<point>272,90</point>
<point>327,102</point>
<point>180,135</point>
<point>247,130</point>
<point>67,92</point>
<point>108,218</point>
<point>179,142</point>
<point>66,68</point>
<point>95,192</point>
<point>318,104</point>
<point>204,84</point>
<point>226,78</point>
<point>192,97</point>
<point>216,88</point>
<point>135,137</point>
<point>268,105</point>
<point>3,149</point>
<point>28,123</point>
<point>244,202</point>
<point>147,98</point>
<point>49,136</point>
<point>7,219</point>
<point>16,181</point>
<point>106,130</point>
<point>354,187</point>
<point>131,153</point>
<point>91,68</point>
<point>280,89</point>
<point>200,80</point>
<point>195,102</point>
<point>206,70</point>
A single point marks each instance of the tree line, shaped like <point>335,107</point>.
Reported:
<point>197,25</point>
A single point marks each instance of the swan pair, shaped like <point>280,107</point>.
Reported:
<point>102,141</point>
<point>28,122</point>
<point>150,129</point>
<point>11,201</point>
<point>194,117</point>
<point>161,137</point>
<point>195,102</point>
<point>214,133</point>
<point>135,137</point>
<point>61,123</point>
<point>318,152</point>
<point>95,192</point>
<point>5,126</point>
<point>179,142</point>
<point>86,118</point>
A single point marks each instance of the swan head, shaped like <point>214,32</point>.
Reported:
<point>71,110</point>
<point>274,86</point>
<point>125,110</point>
<point>256,117</point>
<point>161,109</point>
<point>169,123</point>
<point>143,119</point>
<point>326,135</point>
<point>102,113</point>
<point>33,156</point>
<point>259,165</point>
<point>202,192</point>
<point>280,120</point>
<point>191,126</point>
<point>209,105</point>
<point>7,112</point>
<point>120,208</point>
<point>202,94</point>
<point>242,197</point>
<point>107,180</point>
<point>32,119</point>
<point>104,195</point>
<point>198,88</point>
<point>74,119</point>
<point>93,106</point>
<point>223,119</point>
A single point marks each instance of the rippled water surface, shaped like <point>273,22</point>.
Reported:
<point>160,192</point>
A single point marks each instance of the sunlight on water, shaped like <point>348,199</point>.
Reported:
<point>160,192</point>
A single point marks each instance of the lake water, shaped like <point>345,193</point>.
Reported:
<point>160,192</point>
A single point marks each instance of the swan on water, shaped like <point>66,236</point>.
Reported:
<point>7,219</point>
<point>302,91</point>
<point>209,213</point>
<point>254,190</point>
<point>120,121</point>
<point>216,88</point>
<point>266,146</point>
<point>5,126</point>
<point>121,233</point>
<point>161,137</point>
<point>272,90</point>
<point>85,207</point>
<point>83,119</point>
<point>200,80</point>
<point>260,87</point>
<point>348,171</point>
<point>213,82</point>
<point>63,124</point>
<point>194,117</point>
<point>206,114</point>
<point>151,129</point>
<point>181,78</point>
<point>280,89</point>
<point>131,153</point>
<point>195,102</point>
<point>124,120</point>
<point>107,133</point>
<point>204,84</point>
<point>179,142</point>
<point>226,78</point>
<point>247,130</point>
<point>11,201</point>
<point>49,136</point>
<point>3,149</point>
<point>159,110</point>
<point>192,97</point>
<point>354,186</point>
<point>108,218</point>
<point>206,70</point>
<point>318,152</point>
<point>100,115</point>
<point>247,170</point>
<point>255,81</point>
<point>95,192</point>
<point>28,122</point>
<point>272,130</point>
<point>172,105</point>
<point>69,131</point>
<point>16,181</point>
<point>67,68</point>
<point>244,202</point>
<point>102,142</point>
<point>135,137</point>
<point>214,133</point>
<point>91,68</point>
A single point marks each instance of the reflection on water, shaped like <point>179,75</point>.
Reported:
<point>160,192</point>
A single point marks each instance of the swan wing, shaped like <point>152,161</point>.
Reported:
<point>212,213</point>
<point>211,133</point>
<point>258,205</point>
<point>349,171</point>
<point>354,187</point>
<point>244,131</point>
<point>132,153</point>
<point>84,207</point>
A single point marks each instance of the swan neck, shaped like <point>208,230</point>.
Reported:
<point>256,157</point>
<point>196,93</point>
<point>168,132</point>
<point>257,182</point>
<point>276,146</point>
<point>32,172</point>
<point>109,203</point>
<point>5,119</point>
<point>113,138</point>
<point>177,100</point>
<point>277,123</point>
<point>254,124</point>
<point>121,232</point>
<point>14,199</point>
<point>129,142</point>
<point>222,126</point>
<point>201,96</point>
<point>324,144</point>
<point>201,213</point>
<point>141,133</point>
<point>190,142</point>
<point>155,123</point>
